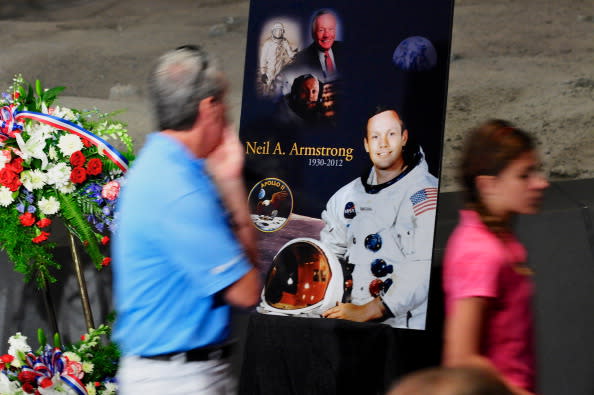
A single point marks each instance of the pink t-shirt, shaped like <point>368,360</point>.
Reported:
<point>479,264</point>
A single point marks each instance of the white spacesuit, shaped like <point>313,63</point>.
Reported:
<point>386,232</point>
<point>275,53</point>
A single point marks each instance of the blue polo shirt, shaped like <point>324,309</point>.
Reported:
<point>173,251</point>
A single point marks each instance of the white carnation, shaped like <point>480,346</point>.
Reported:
<point>58,174</point>
<point>88,367</point>
<point>72,356</point>
<point>5,196</point>
<point>53,155</point>
<point>90,387</point>
<point>33,179</point>
<point>110,389</point>
<point>18,343</point>
<point>64,112</point>
<point>69,187</point>
<point>69,144</point>
<point>5,157</point>
<point>49,206</point>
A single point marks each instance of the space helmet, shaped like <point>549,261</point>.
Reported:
<point>278,27</point>
<point>304,279</point>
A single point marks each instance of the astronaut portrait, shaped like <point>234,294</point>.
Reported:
<point>380,226</point>
<point>276,51</point>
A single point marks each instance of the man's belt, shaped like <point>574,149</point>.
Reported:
<point>206,353</point>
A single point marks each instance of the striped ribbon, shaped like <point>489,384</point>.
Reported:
<point>11,122</point>
<point>51,363</point>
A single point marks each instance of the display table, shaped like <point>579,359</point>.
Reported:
<point>289,355</point>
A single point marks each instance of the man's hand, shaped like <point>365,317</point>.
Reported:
<point>225,165</point>
<point>226,161</point>
<point>359,313</point>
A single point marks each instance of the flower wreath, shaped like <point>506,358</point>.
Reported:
<point>56,162</point>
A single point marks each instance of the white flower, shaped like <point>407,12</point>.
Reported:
<point>69,144</point>
<point>7,386</point>
<point>69,187</point>
<point>4,158</point>
<point>58,174</point>
<point>49,206</point>
<point>110,389</point>
<point>32,148</point>
<point>90,387</point>
<point>33,179</point>
<point>53,155</point>
<point>64,112</point>
<point>5,196</point>
<point>88,367</point>
<point>18,343</point>
<point>72,356</point>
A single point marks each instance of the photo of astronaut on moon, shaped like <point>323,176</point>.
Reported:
<point>368,217</point>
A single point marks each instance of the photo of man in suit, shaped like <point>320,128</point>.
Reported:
<point>323,57</point>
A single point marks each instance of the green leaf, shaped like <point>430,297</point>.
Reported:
<point>76,221</point>
<point>38,88</point>
<point>50,95</point>
<point>41,339</point>
<point>57,340</point>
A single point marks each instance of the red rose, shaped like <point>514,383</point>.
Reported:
<point>15,165</point>
<point>16,95</point>
<point>46,382</point>
<point>95,166</point>
<point>111,190</point>
<point>105,240</point>
<point>28,388</point>
<point>78,175</point>
<point>9,179</point>
<point>77,159</point>
<point>44,222</point>
<point>86,142</point>
<point>27,219</point>
<point>106,261</point>
<point>41,238</point>
<point>26,376</point>
<point>7,358</point>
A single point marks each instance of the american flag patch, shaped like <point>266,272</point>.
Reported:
<point>424,200</point>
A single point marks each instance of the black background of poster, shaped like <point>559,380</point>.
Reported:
<point>370,32</point>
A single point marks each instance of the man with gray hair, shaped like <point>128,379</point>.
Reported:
<point>178,262</point>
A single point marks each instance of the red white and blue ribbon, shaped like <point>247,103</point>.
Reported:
<point>51,363</point>
<point>11,122</point>
<point>8,125</point>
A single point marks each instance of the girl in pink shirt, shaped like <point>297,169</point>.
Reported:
<point>488,287</point>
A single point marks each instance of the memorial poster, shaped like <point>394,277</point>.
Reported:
<point>342,121</point>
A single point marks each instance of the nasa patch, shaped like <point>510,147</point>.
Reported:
<point>349,210</point>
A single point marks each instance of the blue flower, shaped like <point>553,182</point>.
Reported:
<point>20,208</point>
<point>31,209</point>
<point>28,195</point>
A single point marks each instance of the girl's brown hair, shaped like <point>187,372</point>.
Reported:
<point>489,149</point>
